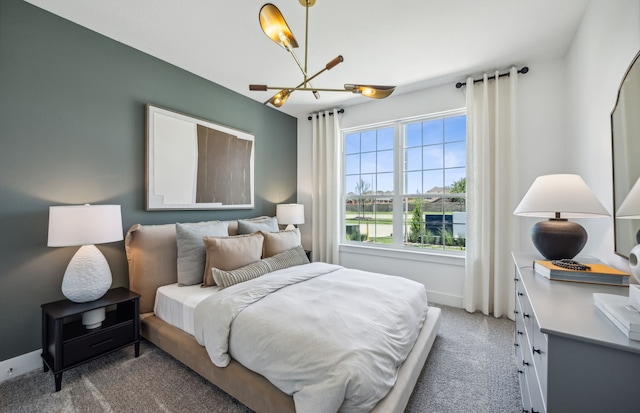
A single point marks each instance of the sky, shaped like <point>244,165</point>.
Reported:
<point>434,155</point>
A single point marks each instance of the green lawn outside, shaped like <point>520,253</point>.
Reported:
<point>382,222</point>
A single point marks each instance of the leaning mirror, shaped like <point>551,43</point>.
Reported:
<point>625,134</point>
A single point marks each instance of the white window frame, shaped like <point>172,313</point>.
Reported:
<point>398,195</point>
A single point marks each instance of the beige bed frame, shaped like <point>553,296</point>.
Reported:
<point>152,255</point>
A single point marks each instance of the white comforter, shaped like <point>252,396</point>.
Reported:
<point>332,337</point>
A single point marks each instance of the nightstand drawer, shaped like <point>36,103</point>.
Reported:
<point>85,347</point>
<point>66,342</point>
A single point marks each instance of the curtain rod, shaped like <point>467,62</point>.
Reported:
<point>524,70</point>
<point>330,113</point>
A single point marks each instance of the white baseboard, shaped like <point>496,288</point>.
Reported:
<point>20,365</point>
<point>444,299</point>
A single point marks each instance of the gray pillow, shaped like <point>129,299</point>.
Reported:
<point>249,226</point>
<point>191,250</point>
<point>285,259</point>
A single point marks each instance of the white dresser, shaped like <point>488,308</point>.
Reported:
<point>570,357</point>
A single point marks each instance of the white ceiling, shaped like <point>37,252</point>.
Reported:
<point>412,44</point>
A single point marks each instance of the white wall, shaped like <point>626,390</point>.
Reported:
<point>563,127</point>
<point>605,45</point>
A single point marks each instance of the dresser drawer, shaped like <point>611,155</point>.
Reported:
<point>535,395</point>
<point>91,345</point>
<point>525,310</point>
<point>521,322</point>
<point>540,357</point>
<point>522,378</point>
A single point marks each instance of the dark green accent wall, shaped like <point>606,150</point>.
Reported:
<point>72,131</point>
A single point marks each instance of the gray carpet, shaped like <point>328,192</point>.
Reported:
<point>471,368</point>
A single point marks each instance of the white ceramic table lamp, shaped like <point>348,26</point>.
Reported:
<point>630,209</point>
<point>290,215</point>
<point>559,197</point>
<point>88,276</point>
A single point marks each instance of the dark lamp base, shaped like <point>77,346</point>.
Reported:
<point>558,238</point>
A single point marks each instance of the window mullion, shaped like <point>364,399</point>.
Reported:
<point>398,179</point>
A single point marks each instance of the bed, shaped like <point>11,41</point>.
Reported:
<point>152,257</point>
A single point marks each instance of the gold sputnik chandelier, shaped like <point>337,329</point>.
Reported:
<point>276,28</point>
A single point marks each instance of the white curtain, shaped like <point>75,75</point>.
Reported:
<point>326,186</point>
<point>491,182</point>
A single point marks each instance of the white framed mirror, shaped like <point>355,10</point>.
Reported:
<point>625,140</point>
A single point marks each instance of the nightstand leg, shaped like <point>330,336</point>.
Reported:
<point>58,377</point>
<point>45,367</point>
<point>137,347</point>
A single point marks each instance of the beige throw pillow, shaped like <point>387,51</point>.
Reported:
<point>229,253</point>
<point>277,242</point>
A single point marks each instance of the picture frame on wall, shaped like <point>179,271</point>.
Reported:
<point>196,164</point>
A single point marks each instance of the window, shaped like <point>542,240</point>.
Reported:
<point>405,183</point>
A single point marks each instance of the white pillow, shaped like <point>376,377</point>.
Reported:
<point>191,250</point>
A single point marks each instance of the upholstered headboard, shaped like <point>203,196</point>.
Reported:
<point>152,255</point>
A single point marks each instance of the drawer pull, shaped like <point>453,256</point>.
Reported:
<point>519,332</point>
<point>520,371</point>
<point>525,363</point>
<point>101,343</point>
<point>516,344</point>
<point>520,294</point>
<point>516,279</point>
<point>535,350</point>
<point>516,312</point>
<point>525,315</point>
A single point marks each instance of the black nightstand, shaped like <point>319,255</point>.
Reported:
<point>66,343</point>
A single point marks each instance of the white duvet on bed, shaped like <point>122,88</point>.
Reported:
<point>176,304</point>
<point>331,337</point>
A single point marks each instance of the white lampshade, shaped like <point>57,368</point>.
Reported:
<point>630,208</point>
<point>88,276</point>
<point>84,225</point>
<point>290,214</point>
<point>559,197</point>
<point>564,194</point>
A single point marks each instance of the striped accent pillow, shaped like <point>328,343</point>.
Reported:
<point>286,259</point>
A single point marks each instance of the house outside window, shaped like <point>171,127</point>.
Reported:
<point>405,184</point>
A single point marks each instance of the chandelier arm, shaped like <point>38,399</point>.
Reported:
<point>328,66</point>
<point>306,40</point>
<point>304,70</point>
<point>300,87</point>
<point>333,63</point>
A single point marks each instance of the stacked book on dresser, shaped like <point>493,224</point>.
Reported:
<point>620,312</point>
<point>593,273</point>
